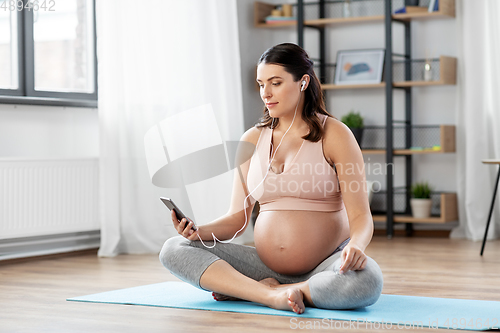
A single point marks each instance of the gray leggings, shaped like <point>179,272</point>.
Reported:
<point>188,260</point>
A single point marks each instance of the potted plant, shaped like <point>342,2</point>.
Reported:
<point>354,121</point>
<point>421,203</point>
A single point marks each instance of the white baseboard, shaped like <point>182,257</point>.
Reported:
<point>16,248</point>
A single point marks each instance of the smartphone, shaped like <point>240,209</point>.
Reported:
<point>171,205</point>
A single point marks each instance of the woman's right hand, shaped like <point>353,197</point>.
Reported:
<point>183,229</point>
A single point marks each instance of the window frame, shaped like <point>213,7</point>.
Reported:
<point>26,93</point>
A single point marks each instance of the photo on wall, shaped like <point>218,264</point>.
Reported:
<point>359,66</point>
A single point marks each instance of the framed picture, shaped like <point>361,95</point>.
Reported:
<point>359,66</point>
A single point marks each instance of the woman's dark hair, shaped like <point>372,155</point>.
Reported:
<point>296,62</point>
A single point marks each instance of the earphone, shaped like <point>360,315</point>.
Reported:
<point>215,239</point>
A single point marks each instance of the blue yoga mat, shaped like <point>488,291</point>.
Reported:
<point>391,311</point>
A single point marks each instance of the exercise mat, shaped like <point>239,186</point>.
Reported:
<point>389,312</point>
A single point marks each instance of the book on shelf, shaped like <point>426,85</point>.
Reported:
<point>280,19</point>
<point>433,6</point>
<point>433,148</point>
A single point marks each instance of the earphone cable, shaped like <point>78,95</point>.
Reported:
<point>215,239</point>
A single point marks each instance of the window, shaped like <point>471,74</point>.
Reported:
<point>9,66</point>
<point>48,52</point>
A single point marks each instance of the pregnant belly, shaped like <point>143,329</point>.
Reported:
<point>294,242</point>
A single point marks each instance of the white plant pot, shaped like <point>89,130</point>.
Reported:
<point>421,208</point>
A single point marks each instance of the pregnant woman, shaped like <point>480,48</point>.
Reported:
<point>314,224</point>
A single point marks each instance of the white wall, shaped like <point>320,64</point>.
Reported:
<point>431,105</point>
<point>48,131</point>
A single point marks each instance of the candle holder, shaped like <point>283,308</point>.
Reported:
<point>346,9</point>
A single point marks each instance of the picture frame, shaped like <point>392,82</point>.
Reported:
<point>359,66</point>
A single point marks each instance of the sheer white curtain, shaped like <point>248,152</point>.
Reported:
<point>156,59</point>
<point>478,124</point>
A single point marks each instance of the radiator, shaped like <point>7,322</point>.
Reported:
<point>41,197</point>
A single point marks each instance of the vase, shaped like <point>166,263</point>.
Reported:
<point>346,9</point>
<point>421,208</point>
<point>287,10</point>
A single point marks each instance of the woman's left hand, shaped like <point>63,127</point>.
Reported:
<point>353,258</point>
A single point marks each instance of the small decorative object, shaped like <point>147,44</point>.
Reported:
<point>276,12</point>
<point>354,121</point>
<point>346,8</point>
<point>359,66</point>
<point>421,202</point>
<point>427,71</point>
<point>287,10</point>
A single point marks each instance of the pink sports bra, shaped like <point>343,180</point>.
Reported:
<point>307,183</point>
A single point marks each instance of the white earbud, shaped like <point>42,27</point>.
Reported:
<point>303,85</point>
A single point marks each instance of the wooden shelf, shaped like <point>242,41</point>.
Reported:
<point>262,10</point>
<point>401,151</point>
<point>409,219</point>
<point>417,83</point>
<point>447,76</point>
<point>489,161</point>
<point>352,86</point>
<point>448,209</point>
<point>446,10</point>
<point>447,143</point>
<point>275,25</point>
<point>327,21</point>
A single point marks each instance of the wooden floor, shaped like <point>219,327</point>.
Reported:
<point>32,294</point>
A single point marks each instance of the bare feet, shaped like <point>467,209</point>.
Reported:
<point>289,299</point>
<point>270,282</point>
<point>221,297</point>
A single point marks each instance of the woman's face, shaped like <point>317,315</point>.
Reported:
<point>278,90</point>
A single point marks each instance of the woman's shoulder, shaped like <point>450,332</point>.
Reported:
<point>338,138</point>
<point>334,128</point>
<point>247,145</point>
<point>252,135</point>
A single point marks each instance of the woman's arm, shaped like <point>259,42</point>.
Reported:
<point>227,225</point>
<point>342,149</point>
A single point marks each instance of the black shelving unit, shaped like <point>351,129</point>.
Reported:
<point>389,93</point>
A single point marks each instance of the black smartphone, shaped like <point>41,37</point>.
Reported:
<point>171,205</point>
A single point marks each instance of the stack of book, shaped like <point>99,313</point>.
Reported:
<point>434,148</point>
<point>280,19</point>
<point>411,10</point>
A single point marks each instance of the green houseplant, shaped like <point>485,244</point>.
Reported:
<point>421,202</point>
<point>354,121</point>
